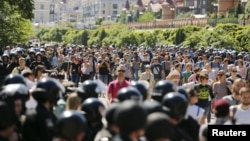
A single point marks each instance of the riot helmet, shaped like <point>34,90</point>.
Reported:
<point>93,109</point>
<point>175,105</point>
<point>70,124</point>
<point>129,93</point>
<point>161,88</point>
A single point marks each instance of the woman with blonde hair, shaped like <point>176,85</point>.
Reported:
<point>73,102</point>
<point>234,98</point>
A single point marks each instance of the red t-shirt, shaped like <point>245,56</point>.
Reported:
<point>115,86</point>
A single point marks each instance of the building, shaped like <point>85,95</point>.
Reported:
<point>42,11</point>
<point>200,6</point>
<point>57,11</point>
<point>108,10</point>
<point>225,5</point>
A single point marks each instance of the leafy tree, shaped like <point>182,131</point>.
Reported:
<point>15,16</point>
<point>180,36</point>
<point>239,10</point>
<point>147,16</point>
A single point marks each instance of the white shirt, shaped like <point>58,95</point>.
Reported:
<point>241,116</point>
<point>195,112</point>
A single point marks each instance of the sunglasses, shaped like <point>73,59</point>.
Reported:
<point>121,70</point>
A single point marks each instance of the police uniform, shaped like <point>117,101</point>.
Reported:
<point>39,124</point>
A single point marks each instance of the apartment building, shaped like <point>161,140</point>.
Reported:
<point>108,10</point>
<point>42,11</point>
<point>57,11</point>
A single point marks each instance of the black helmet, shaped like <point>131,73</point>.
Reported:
<point>175,105</point>
<point>109,113</point>
<point>48,89</point>
<point>70,124</point>
<point>14,79</point>
<point>93,109</point>
<point>159,126</point>
<point>161,88</point>
<point>142,87</point>
<point>89,88</point>
<point>13,92</point>
<point>152,106</point>
<point>182,91</point>
<point>129,93</point>
<point>127,112</point>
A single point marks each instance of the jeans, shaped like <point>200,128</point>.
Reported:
<point>85,77</point>
<point>103,78</point>
<point>135,74</point>
<point>208,111</point>
<point>92,74</point>
<point>75,78</point>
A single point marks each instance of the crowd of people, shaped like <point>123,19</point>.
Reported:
<point>61,93</point>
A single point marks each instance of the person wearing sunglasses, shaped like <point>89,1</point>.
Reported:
<point>205,94</point>
<point>117,84</point>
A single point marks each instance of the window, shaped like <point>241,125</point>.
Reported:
<point>103,12</point>
<point>203,10</point>
<point>115,13</point>
<point>115,6</point>
<point>41,16</point>
<point>41,6</point>
<point>195,4</point>
<point>204,2</point>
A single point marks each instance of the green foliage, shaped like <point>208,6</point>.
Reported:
<point>247,8</point>
<point>15,24</point>
<point>184,15</point>
<point>158,14</point>
<point>147,16</point>
<point>223,35</point>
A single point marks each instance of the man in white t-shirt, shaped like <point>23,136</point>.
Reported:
<point>241,112</point>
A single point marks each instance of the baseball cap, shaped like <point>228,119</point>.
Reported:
<point>221,107</point>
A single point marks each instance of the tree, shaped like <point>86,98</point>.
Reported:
<point>15,16</point>
<point>239,10</point>
<point>147,16</point>
<point>180,36</point>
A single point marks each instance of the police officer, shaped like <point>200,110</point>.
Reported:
<point>37,62</point>
<point>71,126</point>
<point>159,127</point>
<point>39,122</point>
<point>128,93</point>
<point>15,95</point>
<point>130,117</point>
<point>161,88</point>
<point>7,122</point>
<point>110,129</point>
<point>142,86</point>
<point>188,122</point>
<point>175,105</point>
<point>89,88</point>
<point>93,109</point>
<point>14,79</point>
